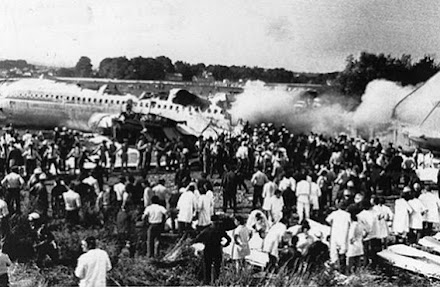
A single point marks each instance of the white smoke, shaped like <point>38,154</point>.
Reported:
<point>377,104</point>
<point>260,103</point>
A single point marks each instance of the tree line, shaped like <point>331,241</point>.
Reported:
<point>359,72</point>
<point>352,81</point>
<point>19,64</point>
<point>141,68</point>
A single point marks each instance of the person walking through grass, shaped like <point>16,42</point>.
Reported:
<point>93,265</point>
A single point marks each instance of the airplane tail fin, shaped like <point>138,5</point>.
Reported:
<point>102,89</point>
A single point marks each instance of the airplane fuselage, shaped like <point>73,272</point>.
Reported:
<point>46,104</point>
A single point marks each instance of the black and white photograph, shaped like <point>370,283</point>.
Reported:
<point>219,143</point>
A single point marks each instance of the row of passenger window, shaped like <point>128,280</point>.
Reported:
<point>72,98</point>
<point>196,109</point>
<point>108,101</point>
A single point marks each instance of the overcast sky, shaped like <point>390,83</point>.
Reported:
<point>300,35</point>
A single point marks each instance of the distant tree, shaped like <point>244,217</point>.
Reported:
<point>10,64</point>
<point>166,63</point>
<point>84,67</point>
<point>359,72</point>
<point>156,69</point>
<point>184,69</point>
<point>197,69</point>
<point>147,69</point>
<point>219,72</point>
<point>278,75</point>
<point>65,72</point>
<point>115,68</point>
<point>423,70</point>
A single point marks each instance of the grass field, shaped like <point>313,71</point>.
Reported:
<point>185,270</point>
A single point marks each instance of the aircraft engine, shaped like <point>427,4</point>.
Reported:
<point>101,121</point>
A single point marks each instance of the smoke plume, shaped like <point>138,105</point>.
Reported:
<point>377,104</point>
<point>334,113</point>
<point>259,103</point>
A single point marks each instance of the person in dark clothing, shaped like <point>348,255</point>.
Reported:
<point>317,254</point>
<point>212,237</point>
<point>39,197</point>
<point>204,183</point>
<point>44,241</point>
<point>100,172</point>
<point>138,192</point>
<point>290,256</point>
<point>144,147</point>
<point>174,198</point>
<point>57,198</point>
<point>14,157</point>
<point>183,176</point>
<point>229,184</point>
<point>240,175</point>
<point>123,227</point>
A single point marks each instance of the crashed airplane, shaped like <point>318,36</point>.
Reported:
<point>419,110</point>
<point>46,103</point>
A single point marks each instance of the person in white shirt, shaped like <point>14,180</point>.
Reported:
<point>204,210</point>
<point>315,194</point>
<point>5,262</point>
<point>242,152</point>
<point>268,191</point>
<point>257,222</point>
<point>240,242</point>
<point>258,180</point>
<point>402,211</point>
<point>13,183</point>
<point>52,155</point>
<point>385,217</point>
<point>355,246</point>
<point>303,190</point>
<point>416,218</point>
<point>340,225</point>
<point>432,203</point>
<point>287,186</point>
<point>27,137</point>
<point>92,182</point>
<point>186,207</point>
<point>93,265</point>
<point>72,204</point>
<point>272,241</point>
<point>155,215</point>
<point>372,243</point>
<point>148,193</point>
<point>119,189</point>
<point>4,222</point>
<point>276,205</point>
<point>31,156</point>
<point>210,195</point>
<point>162,192</point>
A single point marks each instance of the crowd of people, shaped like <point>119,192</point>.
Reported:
<point>292,179</point>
